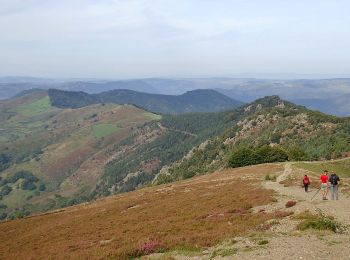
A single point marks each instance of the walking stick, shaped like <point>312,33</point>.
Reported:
<point>315,194</point>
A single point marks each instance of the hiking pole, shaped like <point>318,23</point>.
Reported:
<point>315,194</point>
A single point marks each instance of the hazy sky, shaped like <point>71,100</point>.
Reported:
<point>181,38</point>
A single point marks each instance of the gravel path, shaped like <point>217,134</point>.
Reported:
<point>283,241</point>
<point>340,209</point>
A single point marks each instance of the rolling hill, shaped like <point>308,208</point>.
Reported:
<point>325,95</point>
<point>55,157</point>
<point>192,101</point>
<point>64,149</point>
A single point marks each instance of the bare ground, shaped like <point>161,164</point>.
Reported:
<point>280,239</point>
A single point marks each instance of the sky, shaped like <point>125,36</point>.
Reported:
<point>179,38</point>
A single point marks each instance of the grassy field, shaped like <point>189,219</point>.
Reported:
<point>103,130</point>
<point>152,116</point>
<point>195,213</point>
<point>40,106</point>
<point>341,167</point>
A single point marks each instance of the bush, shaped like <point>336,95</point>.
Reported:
<point>27,175</point>
<point>5,190</point>
<point>270,154</point>
<point>151,247</point>
<point>319,222</point>
<point>265,154</point>
<point>28,185</point>
<point>263,242</point>
<point>5,161</point>
<point>3,206</point>
<point>269,177</point>
<point>3,216</point>
<point>325,223</point>
<point>244,157</point>
<point>3,182</point>
<point>42,187</point>
<point>297,154</point>
<point>290,203</point>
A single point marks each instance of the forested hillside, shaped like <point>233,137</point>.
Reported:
<point>53,157</point>
<point>176,136</point>
<point>65,156</point>
<point>269,130</point>
<point>191,101</point>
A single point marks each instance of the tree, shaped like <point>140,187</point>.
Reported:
<point>270,154</point>
<point>28,185</point>
<point>5,190</point>
<point>244,157</point>
<point>297,154</point>
<point>42,187</point>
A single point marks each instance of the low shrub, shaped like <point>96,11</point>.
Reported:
<point>5,190</point>
<point>224,252</point>
<point>151,247</point>
<point>269,177</point>
<point>263,242</point>
<point>290,203</point>
<point>319,222</point>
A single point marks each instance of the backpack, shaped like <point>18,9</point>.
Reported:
<point>334,179</point>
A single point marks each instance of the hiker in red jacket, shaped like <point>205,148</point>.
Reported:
<point>324,179</point>
<point>306,182</point>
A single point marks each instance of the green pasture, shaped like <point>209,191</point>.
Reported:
<point>103,130</point>
<point>40,106</point>
<point>152,116</point>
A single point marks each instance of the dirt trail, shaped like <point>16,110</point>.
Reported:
<point>340,209</point>
<point>283,240</point>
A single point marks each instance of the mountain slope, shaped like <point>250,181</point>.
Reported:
<point>192,101</point>
<point>65,149</point>
<point>191,215</point>
<point>300,133</point>
<point>84,153</point>
<point>98,150</point>
<point>233,213</point>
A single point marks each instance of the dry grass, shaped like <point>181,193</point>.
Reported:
<point>196,213</point>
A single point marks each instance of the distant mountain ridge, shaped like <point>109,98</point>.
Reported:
<point>307,92</point>
<point>334,105</point>
<point>204,100</point>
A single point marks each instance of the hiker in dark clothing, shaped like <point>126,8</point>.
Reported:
<point>334,181</point>
<point>306,182</point>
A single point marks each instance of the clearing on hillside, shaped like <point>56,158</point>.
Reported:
<point>103,130</point>
<point>40,106</point>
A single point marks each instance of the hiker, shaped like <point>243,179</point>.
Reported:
<point>334,181</point>
<point>324,184</point>
<point>306,182</point>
